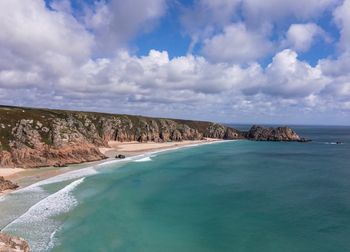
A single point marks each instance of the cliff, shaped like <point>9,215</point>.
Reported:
<point>12,244</point>
<point>42,137</point>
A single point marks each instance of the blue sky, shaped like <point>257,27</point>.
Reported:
<point>240,61</point>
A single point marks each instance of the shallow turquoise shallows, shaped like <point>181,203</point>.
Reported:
<point>235,196</point>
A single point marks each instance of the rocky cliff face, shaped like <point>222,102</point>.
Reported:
<point>259,133</point>
<point>12,244</point>
<point>40,137</point>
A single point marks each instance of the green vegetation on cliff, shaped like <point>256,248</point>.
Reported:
<point>32,137</point>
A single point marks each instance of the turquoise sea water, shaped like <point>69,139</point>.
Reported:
<point>232,196</point>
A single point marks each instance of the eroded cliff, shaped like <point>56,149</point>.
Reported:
<point>42,137</point>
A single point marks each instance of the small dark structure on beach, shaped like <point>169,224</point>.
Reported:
<point>120,156</point>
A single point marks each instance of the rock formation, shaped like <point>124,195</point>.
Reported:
<point>6,185</point>
<point>259,133</point>
<point>12,244</point>
<point>41,137</point>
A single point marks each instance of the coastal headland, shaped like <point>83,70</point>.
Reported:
<point>55,139</point>
<point>32,138</point>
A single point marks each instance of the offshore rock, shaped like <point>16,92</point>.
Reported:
<point>259,133</point>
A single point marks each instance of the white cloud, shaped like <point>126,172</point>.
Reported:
<point>115,22</point>
<point>302,36</point>
<point>338,69</point>
<point>342,18</point>
<point>290,78</point>
<point>258,11</point>
<point>237,44</point>
<point>206,16</point>
<point>47,60</point>
<point>38,45</point>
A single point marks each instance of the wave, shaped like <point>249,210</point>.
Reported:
<point>145,159</point>
<point>333,143</point>
<point>85,172</point>
<point>37,224</point>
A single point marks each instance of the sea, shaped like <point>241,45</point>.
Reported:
<point>242,196</point>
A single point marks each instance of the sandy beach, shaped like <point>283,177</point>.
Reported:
<point>25,177</point>
<point>8,172</point>
<point>135,148</point>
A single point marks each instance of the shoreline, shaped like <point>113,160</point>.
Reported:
<point>27,177</point>
<point>72,176</point>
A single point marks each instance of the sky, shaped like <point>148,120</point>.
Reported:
<point>230,61</point>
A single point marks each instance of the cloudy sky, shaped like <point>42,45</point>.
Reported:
<point>241,61</point>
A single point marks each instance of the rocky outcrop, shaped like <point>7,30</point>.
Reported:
<point>41,137</point>
<point>6,185</point>
<point>221,132</point>
<point>13,244</point>
<point>259,133</point>
<point>35,137</point>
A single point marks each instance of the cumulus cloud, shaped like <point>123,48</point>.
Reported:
<point>205,17</point>
<point>257,11</point>
<point>115,22</point>
<point>48,58</point>
<point>37,45</point>
<point>288,77</point>
<point>342,18</point>
<point>338,69</point>
<point>237,44</point>
<point>300,37</point>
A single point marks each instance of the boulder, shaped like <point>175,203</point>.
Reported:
<point>10,243</point>
<point>6,185</point>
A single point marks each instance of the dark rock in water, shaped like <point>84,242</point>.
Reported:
<point>259,133</point>
<point>304,140</point>
<point>13,244</point>
<point>339,142</point>
<point>6,185</point>
<point>120,156</point>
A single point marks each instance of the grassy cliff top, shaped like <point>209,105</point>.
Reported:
<point>10,116</point>
<point>13,114</point>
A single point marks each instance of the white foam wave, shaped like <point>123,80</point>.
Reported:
<point>114,161</point>
<point>145,159</point>
<point>333,143</point>
<point>88,171</point>
<point>37,224</point>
